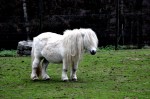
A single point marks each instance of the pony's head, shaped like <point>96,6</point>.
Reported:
<point>76,40</point>
<point>90,40</point>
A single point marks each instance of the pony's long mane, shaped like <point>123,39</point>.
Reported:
<point>73,45</point>
<point>76,40</point>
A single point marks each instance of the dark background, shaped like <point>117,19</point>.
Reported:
<point>129,18</point>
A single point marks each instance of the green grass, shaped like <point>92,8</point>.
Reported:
<point>122,74</point>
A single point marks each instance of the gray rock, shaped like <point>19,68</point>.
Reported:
<point>24,48</point>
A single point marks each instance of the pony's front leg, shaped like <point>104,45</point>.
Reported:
<point>44,67</point>
<point>64,71</point>
<point>73,75</point>
<point>35,66</point>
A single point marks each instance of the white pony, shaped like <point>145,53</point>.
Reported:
<point>67,49</point>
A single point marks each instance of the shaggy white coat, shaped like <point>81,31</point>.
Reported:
<point>67,49</point>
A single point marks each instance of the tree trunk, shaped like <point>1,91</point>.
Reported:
<point>26,19</point>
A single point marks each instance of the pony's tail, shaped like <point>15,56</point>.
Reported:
<point>38,71</point>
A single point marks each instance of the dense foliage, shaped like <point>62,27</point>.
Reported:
<point>58,15</point>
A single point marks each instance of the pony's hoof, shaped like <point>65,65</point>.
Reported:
<point>46,77</point>
<point>65,80</point>
<point>35,78</point>
<point>74,79</point>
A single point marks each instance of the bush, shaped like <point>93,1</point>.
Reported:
<point>7,53</point>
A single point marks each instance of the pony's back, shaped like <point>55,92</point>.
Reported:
<point>41,40</point>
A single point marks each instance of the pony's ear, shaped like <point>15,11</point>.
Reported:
<point>82,34</point>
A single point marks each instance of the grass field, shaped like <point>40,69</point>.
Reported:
<point>122,74</point>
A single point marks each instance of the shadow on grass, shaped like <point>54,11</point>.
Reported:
<point>53,80</point>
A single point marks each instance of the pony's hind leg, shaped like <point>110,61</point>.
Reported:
<point>73,75</point>
<point>44,67</point>
<point>35,67</point>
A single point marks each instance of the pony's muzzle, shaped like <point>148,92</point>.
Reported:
<point>93,52</point>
